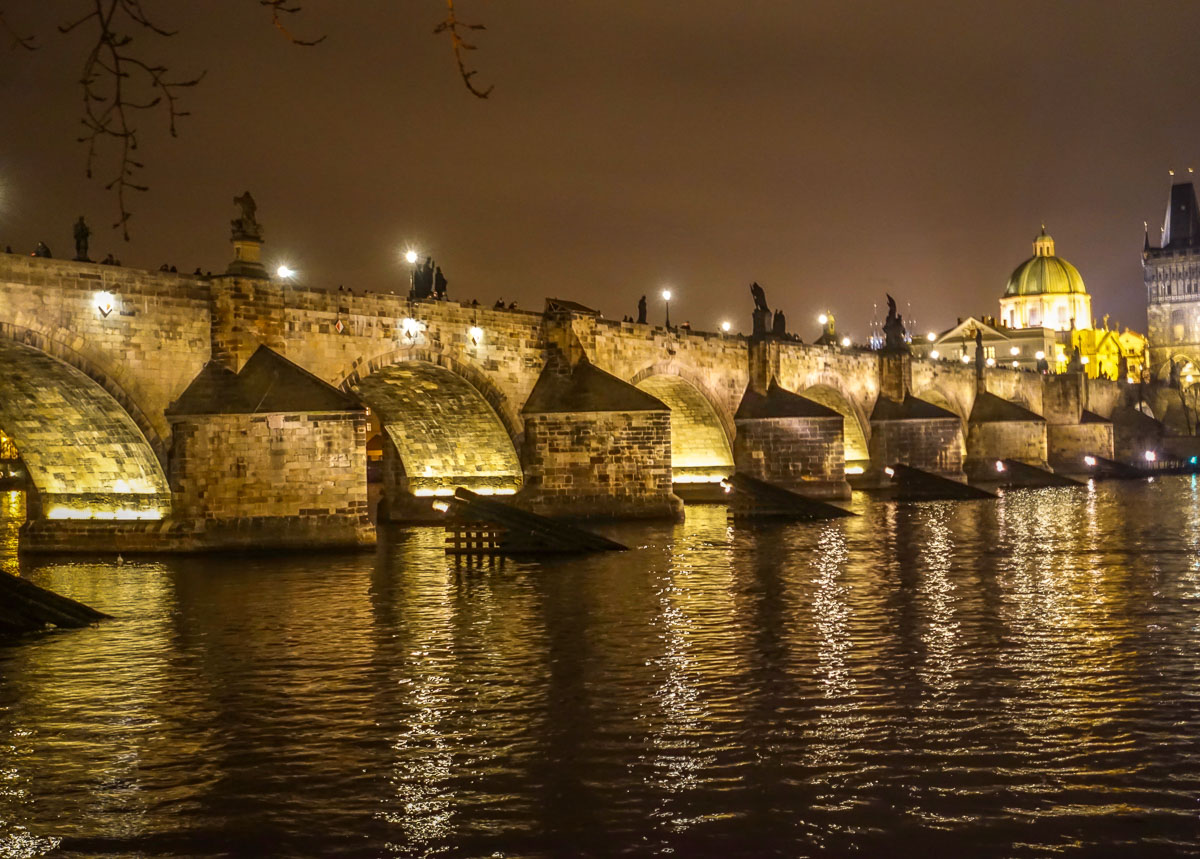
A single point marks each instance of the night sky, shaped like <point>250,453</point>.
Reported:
<point>831,151</point>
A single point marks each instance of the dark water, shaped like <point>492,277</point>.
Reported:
<point>1019,677</point>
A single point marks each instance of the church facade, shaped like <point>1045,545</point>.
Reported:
<point>1172,277</point>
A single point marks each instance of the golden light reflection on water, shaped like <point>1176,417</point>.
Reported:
<point>937,592</point>
<point>696,613</point>
<point>12,515</point>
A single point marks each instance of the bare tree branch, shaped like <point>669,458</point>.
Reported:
<point>279,8</point>
<point>18,40</point>
<point>116,85</point>
<point>455,28</point>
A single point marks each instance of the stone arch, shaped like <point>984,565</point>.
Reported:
<point>715,401</point>
<point>67,355</point>
<point>501,404</point>
<point>444,432</point>
<point>85,456</point>
<point>700,443</point>
<point>856,430</point>
<point>944,401</point>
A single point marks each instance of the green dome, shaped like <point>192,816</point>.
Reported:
<point>1044,273</point>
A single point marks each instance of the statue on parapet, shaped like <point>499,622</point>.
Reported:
<point>247,226</point>
<point>82,233</point>
<point>641,318</point>
<point>1173,374</point>
<point>762,313</point>
<point>760,298</point>
<point>893,329</point>
<point>779,325</point>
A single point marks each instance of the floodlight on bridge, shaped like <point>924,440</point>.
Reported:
<point>476,334</point>
<point>846,342</point>
<point>410,257</point>
<point>104,303</point>
<point>966,358</point>
<point>935,354</point>
<point>285,271</point>
<point>725,326</point>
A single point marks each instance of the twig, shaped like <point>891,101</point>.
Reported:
<point>454,27</point>
<point>29,43</point>
<point>279,8</point>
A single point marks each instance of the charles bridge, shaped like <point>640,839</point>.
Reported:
<point>159,411</point>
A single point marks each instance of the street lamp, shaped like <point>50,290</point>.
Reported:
<point>285,271</point>
<point>725,326</point>
<point>666,294</point>
<point>411,257</point>
<point>845,342</point>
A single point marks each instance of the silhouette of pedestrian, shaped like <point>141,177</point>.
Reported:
<point>642,310</point>
<point>439,284</point>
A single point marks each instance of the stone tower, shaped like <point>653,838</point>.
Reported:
<point>1172,277</point>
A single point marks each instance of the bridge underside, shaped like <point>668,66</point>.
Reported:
<point>85,457</point>
<point>445,434</point>
<point>700,451</point>
<point>854,436</point>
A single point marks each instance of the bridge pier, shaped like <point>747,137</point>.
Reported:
<point>596,447</point>
<point>998,430</point>
<point>792,442</point>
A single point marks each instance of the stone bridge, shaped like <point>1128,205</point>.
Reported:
<point>189,412</point>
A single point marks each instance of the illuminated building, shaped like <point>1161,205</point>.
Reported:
<point>1172,277</point>
<point>1045,314</point>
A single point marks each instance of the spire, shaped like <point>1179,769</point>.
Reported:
<point>1181,227</point>
<point>1146,228</point>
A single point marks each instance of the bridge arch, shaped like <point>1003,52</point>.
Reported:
<point>444,431</point>
<point>943,400</point>
<point>85,456</point>
<point>508,413</point>
<point>827,389</point>
<point>54,348</point>
<point>701,430</point>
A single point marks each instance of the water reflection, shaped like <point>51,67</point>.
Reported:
<point>997,677</point>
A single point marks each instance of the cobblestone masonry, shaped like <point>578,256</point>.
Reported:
<point>1024,441</point>
<point>931,444</point>
<point>699,447</point>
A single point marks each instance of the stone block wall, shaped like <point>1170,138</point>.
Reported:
<point>1024,441</point>
<point>144,352</point>
<point>599,464</point>
<point>699,448</point>
<point>803,454</point>
<point>1068,444</point>
<point>299,475</point>
<point>930,444</point>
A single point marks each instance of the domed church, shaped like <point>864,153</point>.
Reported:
<point>1046,291</point>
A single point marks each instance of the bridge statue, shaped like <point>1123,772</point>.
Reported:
<point>893,329</point>
<point>82,233</point>
<point>247,226</point>
<point>762,313</point>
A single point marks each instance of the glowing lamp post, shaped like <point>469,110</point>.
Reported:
<point>285,272</point>
<point>666,294</point>
<point>411,257</point>
<point>725,326</point>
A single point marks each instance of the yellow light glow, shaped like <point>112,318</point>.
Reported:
<point>965,359</point>
<point>1089,461</point>
<point>999,465</point>
<point>1016,364</point>
<point>991,362</point>
<point>476,334</point>
<point>666,294</point>
<point>935,354</point>
<point>410,257</point>
<point>930,336</point>
<point>89,513</point>
<point>104,302</point>
<point>1151,456</point>
<point>1040,354</point>
<point>823,319</point>
<point>441,506</point>
<point>854,469</point>
<point>445,491</point>
<point>725,326</point>
<point>1016,350</point>
<point>285,271</point>
<point>845,342</point>
<point>698,478</point>
<point>1084,360</point>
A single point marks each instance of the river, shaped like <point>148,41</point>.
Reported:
<point>1018,677</point>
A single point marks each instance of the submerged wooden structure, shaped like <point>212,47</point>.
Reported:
<point>25,607</point>
<point>476,525</point>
